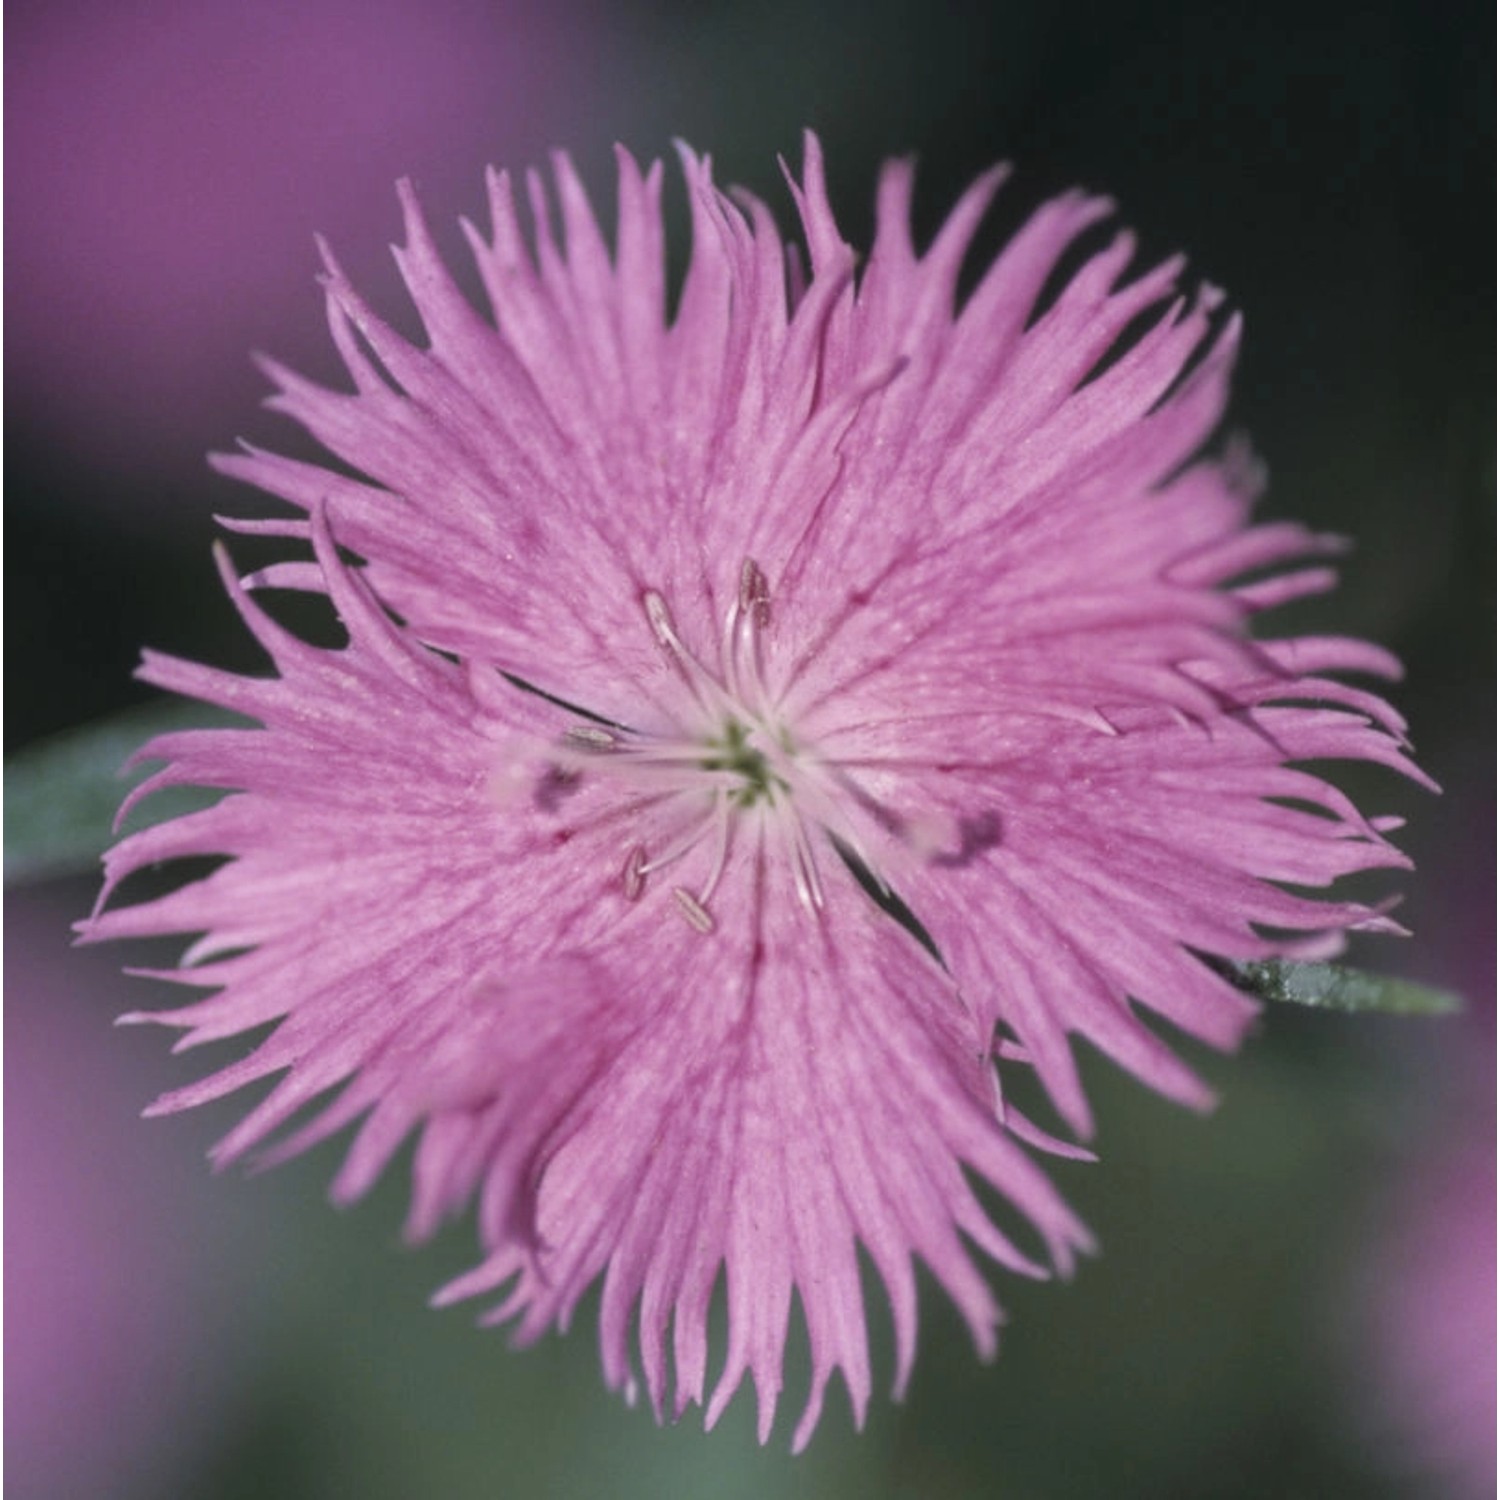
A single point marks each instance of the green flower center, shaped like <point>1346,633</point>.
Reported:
<point>734,751</point>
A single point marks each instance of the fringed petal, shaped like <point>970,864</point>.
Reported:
<point>752,726</point>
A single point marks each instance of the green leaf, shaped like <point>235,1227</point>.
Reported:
<point>62,793</point>
<point>1332,987</point>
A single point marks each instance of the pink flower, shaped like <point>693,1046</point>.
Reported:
<point>835,690</point>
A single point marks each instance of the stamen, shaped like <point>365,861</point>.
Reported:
<point>697,917</point>
<point>748,616</point>
<point>661,621</point>
<point>702,683</point>
<point>721,849</point>
<point>634,875</point>
<point>805,869</point>
<point>588,737</point>
<point>816,803</point>
<point>674,851</point>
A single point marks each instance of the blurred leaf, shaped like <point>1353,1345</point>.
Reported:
<point>62,793</point>
<point>1331,987</point>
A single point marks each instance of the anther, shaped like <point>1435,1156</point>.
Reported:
<point>661,620</point>
<point>698,917</point>
<point>588,737</point>
<point>755,593</point>
<point>633,877</point>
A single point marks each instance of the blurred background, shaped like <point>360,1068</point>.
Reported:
<point>1296,1296</point>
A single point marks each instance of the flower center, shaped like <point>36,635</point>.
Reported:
<point>727,764</point>
<point>733,751</point>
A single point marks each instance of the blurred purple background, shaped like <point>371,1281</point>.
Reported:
<point>124,1285</point>
<point>169,162</point>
